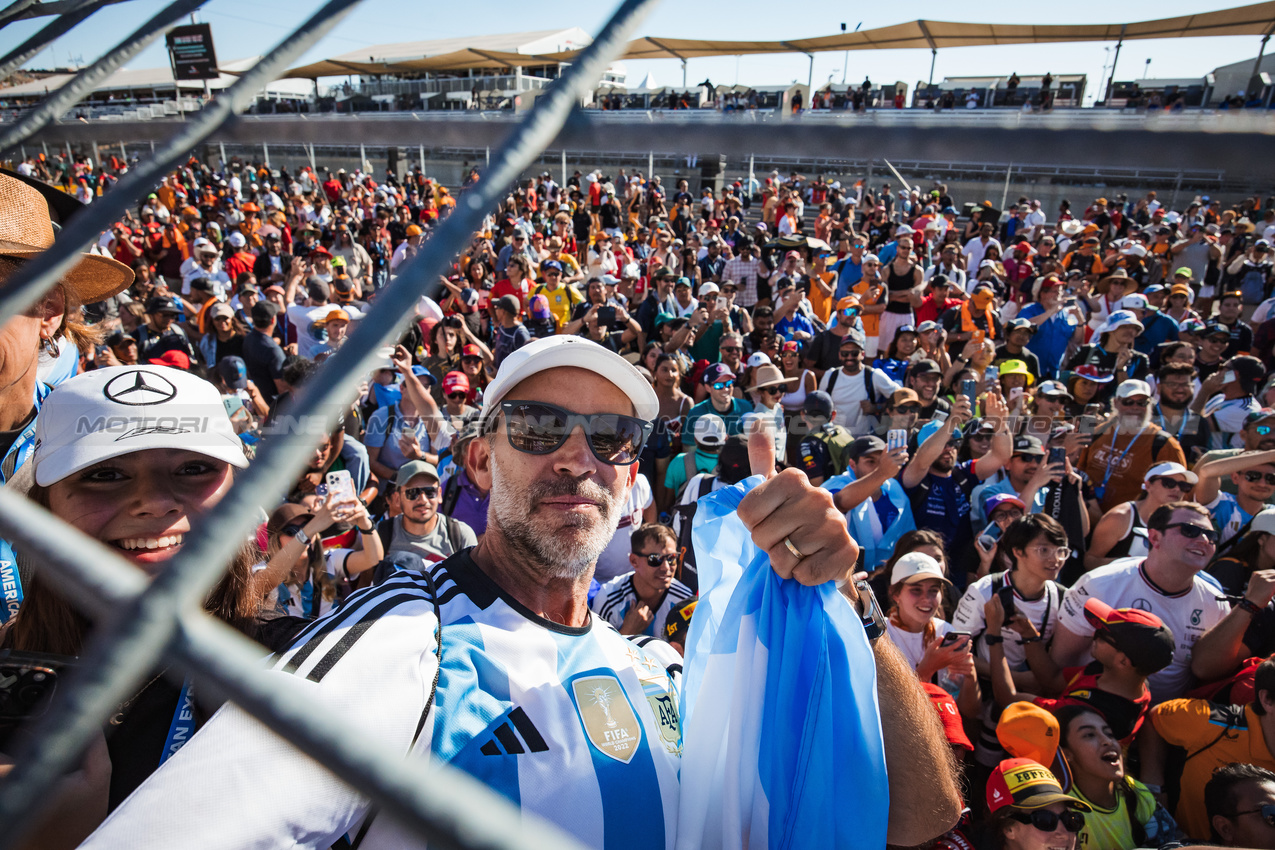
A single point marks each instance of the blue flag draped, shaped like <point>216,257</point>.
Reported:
<point>782,743</point>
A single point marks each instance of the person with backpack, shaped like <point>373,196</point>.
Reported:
<point>858,392</point>
<point>732,467</point>
<point>709,433</point>
<point>1126,447</point>
<point>422,529</point>
<point>1251,273</point>
<point>823,451</point>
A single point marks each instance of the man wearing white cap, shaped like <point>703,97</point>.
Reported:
<point>543,702</point>
<point>1127,447</point>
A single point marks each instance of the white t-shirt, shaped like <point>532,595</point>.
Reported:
<point>310,339</point>
<point>848,390</point>
<point>614,559</point>
<point>1043,614</point>
<point>1122,584</point>
<point>909,643</point>
<point>690,493</point>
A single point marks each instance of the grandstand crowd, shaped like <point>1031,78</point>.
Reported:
<point>1051,434</point>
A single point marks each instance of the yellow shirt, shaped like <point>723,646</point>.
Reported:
<point>561,301</point>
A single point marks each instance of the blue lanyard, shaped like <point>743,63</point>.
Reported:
<point>1113,461</point>
<point>183,725</point>
<point>18,454</point>
<point>1186,417</point>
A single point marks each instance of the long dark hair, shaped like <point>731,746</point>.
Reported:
<point>47,622</point>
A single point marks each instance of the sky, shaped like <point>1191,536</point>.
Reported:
<point>244,28</point>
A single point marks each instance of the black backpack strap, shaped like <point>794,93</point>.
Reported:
<point>391,417</point>
<point>1158,442</point>
<point>869,385</point>
<point>385,531</point>
<point>832,382</point>
<point>451,494</point>
<point>451,529</point>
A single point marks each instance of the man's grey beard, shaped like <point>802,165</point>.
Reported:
<point>1132,423</point>
<point>554,555</point>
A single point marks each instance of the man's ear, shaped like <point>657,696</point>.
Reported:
<point>478,462</point>
<point>1223,826</point>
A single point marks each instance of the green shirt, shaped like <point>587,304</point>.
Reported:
<point>675,478</point>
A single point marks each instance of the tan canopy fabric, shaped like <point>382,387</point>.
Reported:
<point>1257,19</point>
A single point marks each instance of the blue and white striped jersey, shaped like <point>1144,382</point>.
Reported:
<point>618,595</point>
<point>577,726</point>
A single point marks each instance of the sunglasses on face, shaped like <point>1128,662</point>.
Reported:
<point>471,359</point>
<point>1193,532</point>
<point>1263,430</point>
<point>1252,476</point>
<point>722,385</point>
<point>537,428</point>
<point>458,396</point>
<point>1267,812</point>
<point>1047,821</point>
<point>414,493</point>
<point>1172,484</point>
<point>772,390</point>
<point>732,349</point>
<point>1135,402</point>
<point>851,355</point>
<point>655,559</point>
<point>909,408</point>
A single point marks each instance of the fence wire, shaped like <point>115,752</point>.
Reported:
<point>140,627</point>
<point>55,29</point>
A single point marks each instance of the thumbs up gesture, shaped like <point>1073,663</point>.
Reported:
<point>794,522</point>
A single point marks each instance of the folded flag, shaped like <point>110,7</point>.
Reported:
<point>782,732</point>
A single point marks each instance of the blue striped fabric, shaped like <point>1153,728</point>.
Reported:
<point>782,732</point>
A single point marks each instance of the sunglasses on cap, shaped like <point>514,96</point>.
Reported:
<point>655,559</point>
<point>536,428</point>
<point>414,493</point>
<point>1252,476</point>
<point>1047,821</point>
<point>722,385</point>
<point>1172,483</point>
<point>1193,532</point>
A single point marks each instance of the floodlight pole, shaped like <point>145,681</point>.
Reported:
<point>1261,51</point>
<point>1111,80</point>
<point>934,56</point>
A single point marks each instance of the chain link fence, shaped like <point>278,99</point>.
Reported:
<point>140,627</point>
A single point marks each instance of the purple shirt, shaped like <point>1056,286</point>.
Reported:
<point>471,505</point>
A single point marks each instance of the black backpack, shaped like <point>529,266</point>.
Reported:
<point>689,576</point>
<point>868,383</point>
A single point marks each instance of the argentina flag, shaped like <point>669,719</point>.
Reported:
<point>782,733</point>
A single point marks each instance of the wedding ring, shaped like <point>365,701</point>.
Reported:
<point>796,553</point>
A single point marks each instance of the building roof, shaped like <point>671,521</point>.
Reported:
<point>527,43</point>
<point>130,79</point>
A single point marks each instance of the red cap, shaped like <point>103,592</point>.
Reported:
<point>1140,635</point>
<point>1100,614</point>
<point>953,727</point>
<point>471,350</point>
<point>320,251</point>
<point>1023,246</point>
<point>174,358</point>
<point>455,382</point>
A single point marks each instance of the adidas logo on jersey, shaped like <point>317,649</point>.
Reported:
<point>513,735</point>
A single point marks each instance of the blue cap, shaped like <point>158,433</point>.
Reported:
<point>930,427</point>
<point>426,376</point>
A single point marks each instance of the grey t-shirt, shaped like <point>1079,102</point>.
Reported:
<point>432,547</point>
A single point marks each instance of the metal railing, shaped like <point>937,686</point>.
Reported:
<point>142,626</point>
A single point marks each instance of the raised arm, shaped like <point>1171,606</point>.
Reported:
<point>1220,650</point>
<point>1002,441</point>
<point>929,451</point>
<point>1211,473</point>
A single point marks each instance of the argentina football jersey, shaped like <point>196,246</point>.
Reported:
<point>574,725</point>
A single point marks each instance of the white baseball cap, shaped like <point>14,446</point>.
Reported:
<point>708,288</point>
<point>1133,302</point>
<point>236,239</point>
<point>562,350</point>
<point>1264,521</point>
<point>1132,387</point>
<point>756,359</point>
<point>915,566</point>
<point>1120,319</point>
<point>119,410</point>
<point>1160,470</point>
<point>710,430</point>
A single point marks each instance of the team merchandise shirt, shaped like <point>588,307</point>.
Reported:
<point>618,595</point>
<point>614,559</point>
<point>1042,612</point>
<point>1124,584</point>
<point>574,725</point>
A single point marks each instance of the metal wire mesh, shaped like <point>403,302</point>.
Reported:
<point>139,626</point>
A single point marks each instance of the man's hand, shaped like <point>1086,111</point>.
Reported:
<point>1261,588</point>
<point>638,618</point>
<point>892,461</point>
<point>786,506</point>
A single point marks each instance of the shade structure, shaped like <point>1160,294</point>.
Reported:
<point>1256,19</point>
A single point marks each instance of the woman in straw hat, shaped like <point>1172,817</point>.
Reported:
<point>768,387</point>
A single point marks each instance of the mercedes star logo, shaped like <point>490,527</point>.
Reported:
<point>139,388</point>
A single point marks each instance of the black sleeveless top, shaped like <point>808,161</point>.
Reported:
<point>899,283</point>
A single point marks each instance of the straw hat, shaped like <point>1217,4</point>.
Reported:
<point>26,232</point>
<point>768,375</point>
<point>1119,274</point>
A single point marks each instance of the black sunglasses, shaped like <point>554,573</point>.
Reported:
<point>461,395</point>
<point>1173,483</point>
<point>1191,531</point>
<point>654,560</point>
<point>1047,821</point>
<point>1267,812</point>
<point>1252,476</point>
<point>414,493</point>
<point>537,428</point>
<point>776,390</point>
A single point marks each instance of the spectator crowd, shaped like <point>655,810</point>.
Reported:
<point>1051,434</point>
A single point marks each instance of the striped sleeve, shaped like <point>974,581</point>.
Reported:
<point>237,784</point>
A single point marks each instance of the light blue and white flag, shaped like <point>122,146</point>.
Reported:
<point>782,733</point>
